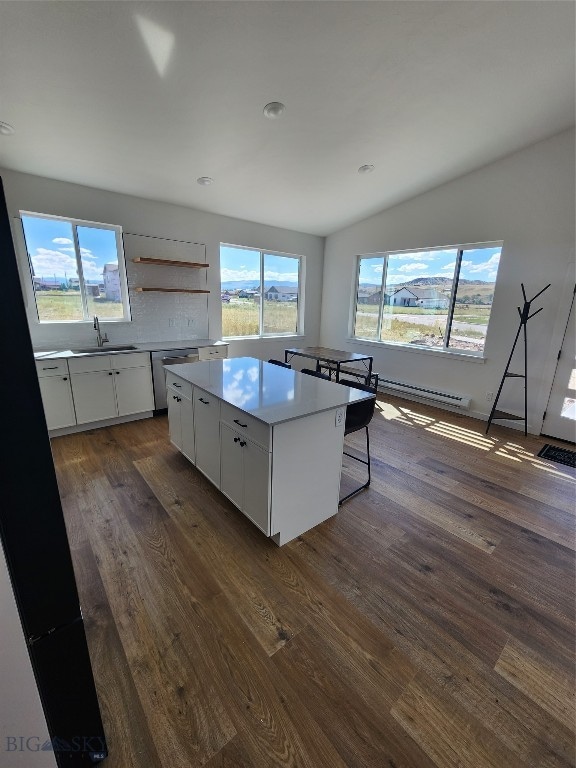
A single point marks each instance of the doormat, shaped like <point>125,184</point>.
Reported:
<point>559,455</point>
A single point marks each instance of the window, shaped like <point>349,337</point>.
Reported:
<point>77,269</point>
<point>438,297</point>
<point>260,292</point>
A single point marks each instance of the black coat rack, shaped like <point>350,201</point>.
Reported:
<point>525,315</point>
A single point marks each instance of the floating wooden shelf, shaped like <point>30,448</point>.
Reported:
<point>169,262</point>
<point>173,290</point>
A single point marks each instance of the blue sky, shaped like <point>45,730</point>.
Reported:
<point>244,264</point>
<point>477,264</point>
<point>50,243</point>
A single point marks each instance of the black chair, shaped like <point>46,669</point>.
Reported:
<point>280,363</point>
<point>358,416</point>
<point>318,375</point>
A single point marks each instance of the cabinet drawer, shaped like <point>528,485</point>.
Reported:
<point>89,364</point>
<point>243,423</point>
<point>51,368</point>
<point>130,360</point>
<point>179,385</point>
<point>213,353</point>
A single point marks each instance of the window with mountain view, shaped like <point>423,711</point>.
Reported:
<point>76,268</point>
<point>260,292</point>
<point>438,297</point>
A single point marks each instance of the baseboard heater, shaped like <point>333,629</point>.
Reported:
<point>434,395</point>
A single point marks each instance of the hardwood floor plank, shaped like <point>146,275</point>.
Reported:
<point>550,687</point>
<point>348,702</point>
<point>130,742</point>
<point>190,720</point>
<point>516,719</point>
<point>513,506</point>
<point>445,735</point>
<point>217,538</point>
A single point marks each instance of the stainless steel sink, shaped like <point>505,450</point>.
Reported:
<point>104,350</point>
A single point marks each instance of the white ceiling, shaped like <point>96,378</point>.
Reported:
<point>143,98</point>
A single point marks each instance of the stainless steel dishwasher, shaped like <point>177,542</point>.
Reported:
<point>168,357</point>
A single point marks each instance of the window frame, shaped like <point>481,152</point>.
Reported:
<point>461,248</point>
<point>75,223</point>
<point>263,252</point>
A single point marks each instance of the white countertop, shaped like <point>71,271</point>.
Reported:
<point>268,392</point>
<point>150,346</point>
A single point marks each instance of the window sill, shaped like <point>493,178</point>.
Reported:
<point>469,357</point>
<point>264,338</point>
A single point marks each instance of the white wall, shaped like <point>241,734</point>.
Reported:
<point>151,312</point>
<point>528,201</point>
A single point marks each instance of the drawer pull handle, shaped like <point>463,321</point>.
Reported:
<point>176,385</point>
<point>110,374</point>
<point>206,402</point>
<point>242,443</point>
<point>239,424</point>
<point>65,378</point>
<point>50,368</point>
<point>117,373</point>
<point>236,439</point>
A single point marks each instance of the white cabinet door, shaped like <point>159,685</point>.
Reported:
<point>245,476</point>
<point>187,426</point>
<point>94,397</point>
<point>231,468</point>
<point>207,434</point>
<point>181,423</point>
<point>256,484</point>
<point>57,401</point>
<point>174,420</point>
<point>133,390</point>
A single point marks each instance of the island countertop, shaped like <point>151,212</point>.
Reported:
<point>267,392</point>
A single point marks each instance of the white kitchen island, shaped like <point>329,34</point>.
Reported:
<point>269,438</point>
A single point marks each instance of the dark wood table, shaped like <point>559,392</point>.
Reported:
<point>333,359</point>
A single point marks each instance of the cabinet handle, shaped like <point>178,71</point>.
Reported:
<point>176,385</point>
<point>236,439</point>
<point>110,373</point>
<point>117,372</point>
<point>242,443</point>
<point>179,399</point>
<point>206,402</point>
<point>239,424</point>
<point>50,368</point>
<point>65,378</point>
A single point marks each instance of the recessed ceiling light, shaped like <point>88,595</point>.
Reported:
<point>365,169</point>
<point>273,110</point>
<point>5,129</point>
<point>204,181</point>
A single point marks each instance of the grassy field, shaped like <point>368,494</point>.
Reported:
<point>394,328</point>
<point>240,317</point>
<point>64,306</point>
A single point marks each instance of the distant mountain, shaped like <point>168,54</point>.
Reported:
<point>250,285</point>
<point>443,281</point>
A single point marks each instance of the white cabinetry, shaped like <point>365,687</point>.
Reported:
<point>207,434</point>
<point>245,478</point>
<point>107,386</point>
<point>280,459</point>
<point>181,416</point>
<point>54,379</point>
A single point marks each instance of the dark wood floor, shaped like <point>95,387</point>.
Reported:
<point>430,623</point>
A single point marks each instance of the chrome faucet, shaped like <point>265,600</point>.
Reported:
<point>100,340</point>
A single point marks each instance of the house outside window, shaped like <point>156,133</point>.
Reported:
<point>77,269</point>
<point>260,292</point>
<point>435,297</point>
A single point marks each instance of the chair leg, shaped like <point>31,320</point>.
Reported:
<point>362,461</point>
